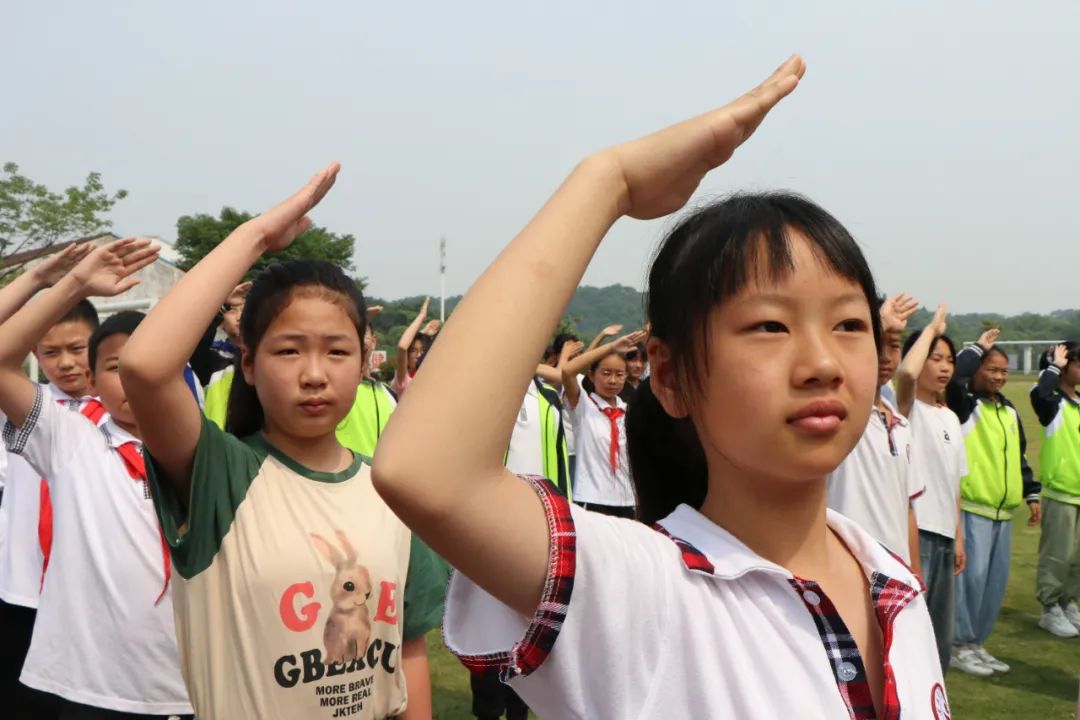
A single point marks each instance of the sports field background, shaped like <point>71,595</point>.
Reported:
<point>1042,685</point>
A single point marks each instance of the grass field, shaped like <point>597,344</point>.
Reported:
<point>1042,685</point>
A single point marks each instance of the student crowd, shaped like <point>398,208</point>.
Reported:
<point>775,500</point>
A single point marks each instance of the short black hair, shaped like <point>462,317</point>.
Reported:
<point>122,323</point>
<point>83,311</point>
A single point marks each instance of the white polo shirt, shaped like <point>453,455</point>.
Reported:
<point>20,549</point>
<point>939,458</point>
<point>685,621</point>
<point>594,481</point>
<point>100,638</point>
<point>874,486</point>
<point>526,452</point>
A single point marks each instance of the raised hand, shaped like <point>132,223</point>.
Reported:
<point>629,341</point>
<point>238,294</point>
<point>611,330</point>
<point>108,270</point>
<point>281,224</point>
<point>938,323</point>
<point>423,309</point>
<point>431,328</point>
<point>569,349</point>
<point>1061,356</point>
<point>373,310</point>
<point>988,338</point>
<point>896,311</point>
<point>661,171</point>
<point>60,264</point>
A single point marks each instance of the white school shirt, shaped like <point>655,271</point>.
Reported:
<point>99,638</point>
<point>20,550</point>
<point>568,421</point>
<point>685,621</point>
<point>939,458</point>
<point>526,452</point>
<point>594,482</point>
<point>874,486</point>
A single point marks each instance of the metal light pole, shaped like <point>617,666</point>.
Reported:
<point>442,279</point>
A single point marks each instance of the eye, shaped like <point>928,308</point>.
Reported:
<point>349,586</point>
<point>287,351</point>
<point>340,353</point>
<point>770,326</point>
<point>854,325</point>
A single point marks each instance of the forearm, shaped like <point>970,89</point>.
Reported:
<point>541,269</point>
<point>913,542</point>
<point>164,342</point>
<point>552,376</point>
<point>17,293</point>
<point>25,328</point>
<point>584,361</point>
<point>417,669</point>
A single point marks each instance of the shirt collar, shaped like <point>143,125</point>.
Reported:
<point>709,549</point>
<point>602,403</point>
<point>116,436</point>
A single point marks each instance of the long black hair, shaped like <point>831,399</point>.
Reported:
<point>709,257</point>
<point>270,293</point>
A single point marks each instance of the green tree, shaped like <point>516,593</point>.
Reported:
<point>197,235</point>
<point>32,217</point>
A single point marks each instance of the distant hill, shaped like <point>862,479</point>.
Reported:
<point>593,308</point>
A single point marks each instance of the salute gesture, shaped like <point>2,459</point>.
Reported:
<point>661,171</point>
<point>108,270</point>
<point>280,225</point>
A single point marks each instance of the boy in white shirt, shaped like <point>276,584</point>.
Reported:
<point>874,486</point>
<point>26,531</point>
<point>104,640</point>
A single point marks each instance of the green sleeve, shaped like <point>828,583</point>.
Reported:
<point>425,590</point>
<point>222,472</point>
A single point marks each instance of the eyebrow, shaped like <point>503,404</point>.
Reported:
<point>789,300</point>
<point>305,336</point>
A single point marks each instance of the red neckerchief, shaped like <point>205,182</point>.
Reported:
<point>93,411</point>
<point>613,414</point>
<point>131,453</point>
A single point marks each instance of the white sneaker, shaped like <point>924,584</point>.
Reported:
<point>990,661</point>
<point>965,658</point>
<point>1053,621</point>
<point>1072,614</point>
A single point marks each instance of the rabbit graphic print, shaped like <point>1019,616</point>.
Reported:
<point>348,625</point>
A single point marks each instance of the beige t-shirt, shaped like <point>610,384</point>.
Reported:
<point>296,588</point>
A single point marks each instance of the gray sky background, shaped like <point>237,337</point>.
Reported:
<point>945,138</point>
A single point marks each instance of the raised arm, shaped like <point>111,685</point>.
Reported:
<point>1046,395</point>
<point>907,376</point>
<point>456,494</point>
<point>152,362</point>
<point>105,272</point>
<point>603,335</point>
<point>401,361</point>
<point>17,292</point>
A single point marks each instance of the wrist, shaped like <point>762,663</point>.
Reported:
<point>603,172</point>
<point>72,288</point>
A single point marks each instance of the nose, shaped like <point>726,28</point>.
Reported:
<point>816,363</point>
<point>313,373</point>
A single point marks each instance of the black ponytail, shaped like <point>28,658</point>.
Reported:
<point>708,257</point>
<point>666,457</point>
<point>270,293</point>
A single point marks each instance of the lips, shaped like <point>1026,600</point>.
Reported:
<point>314,406</point>
<point>819,417</point>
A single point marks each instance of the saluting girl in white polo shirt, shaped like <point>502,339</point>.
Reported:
<point>747,599</point>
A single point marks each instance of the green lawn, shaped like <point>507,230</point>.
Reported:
<point>1043,683</point>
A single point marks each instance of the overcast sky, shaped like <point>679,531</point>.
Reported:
<point>945,138</point>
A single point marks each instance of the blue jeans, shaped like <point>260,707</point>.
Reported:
<point>937,555</point>
<point>980,589</point>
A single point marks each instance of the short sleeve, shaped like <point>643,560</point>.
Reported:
<point>425,590</point>
<point>961,448</point>
<point>590,649</point>
<point>223,470</point>
<point>51,436</point>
